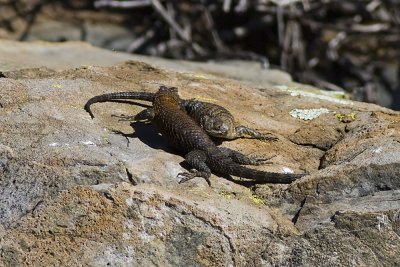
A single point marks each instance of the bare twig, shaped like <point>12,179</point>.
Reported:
<point>172,14</point>
<point>211,27</point>
<point>171,22</point>
<point>241,6</point>
<point>121,4</point>
<point>140,41</point>
<point>178,29</point>
<point>334,45</point>
<point>227,6</point>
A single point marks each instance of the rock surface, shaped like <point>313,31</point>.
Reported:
<point>76,192</point>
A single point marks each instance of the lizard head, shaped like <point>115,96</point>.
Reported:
<point>168,94</point>
<point>218,126</point>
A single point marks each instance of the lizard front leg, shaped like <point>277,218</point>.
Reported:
<point>240,158</point>
<point>243,131</point>
<point>196,159</point>
<point>145,116</point>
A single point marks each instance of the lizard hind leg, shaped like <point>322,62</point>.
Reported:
<point>145,116</point>
<point>240,158</point>
<point>196,159</point>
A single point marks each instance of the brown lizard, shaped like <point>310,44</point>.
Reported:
<point>200,152</point>
<point>216,120</point>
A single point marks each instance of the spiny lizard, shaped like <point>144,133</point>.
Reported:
<point>214,119</point>
<point>201,153</point>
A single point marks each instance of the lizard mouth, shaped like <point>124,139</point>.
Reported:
<point>219,132</point>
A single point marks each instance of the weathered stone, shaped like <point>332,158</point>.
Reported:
<point>76,192</point>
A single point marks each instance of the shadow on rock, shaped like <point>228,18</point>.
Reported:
<point>148,134</point>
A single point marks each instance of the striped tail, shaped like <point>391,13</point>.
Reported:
<point>116,96</point>
<point>262,176</point>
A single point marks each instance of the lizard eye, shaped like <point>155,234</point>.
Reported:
<point>224,128</point>
<point>163,88</point>
<point>219,126</point>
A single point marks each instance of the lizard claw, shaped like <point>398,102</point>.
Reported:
<point>186,176</point>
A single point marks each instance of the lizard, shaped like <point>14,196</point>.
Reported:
<point>201,153</point>
<point>216,120</point>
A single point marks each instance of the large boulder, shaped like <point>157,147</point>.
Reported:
<point>104,192</point>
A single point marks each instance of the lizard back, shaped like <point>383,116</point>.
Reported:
<point>214,119</point>
<point>175,125</point>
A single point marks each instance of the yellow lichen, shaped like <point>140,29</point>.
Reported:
<point>227,195</point>
<point>257,199</point>
<point>340,116</point>
<point>346,118</point>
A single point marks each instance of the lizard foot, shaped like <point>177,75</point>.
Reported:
<point>186,176</point>
<point>268,137</point>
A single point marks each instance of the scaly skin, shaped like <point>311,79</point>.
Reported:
<point>114,96</point>
<point>214,119</point>
<point>201,153</point>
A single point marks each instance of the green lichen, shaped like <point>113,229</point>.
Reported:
<point>308,114</point>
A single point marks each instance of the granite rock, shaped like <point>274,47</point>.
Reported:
<point>76,192</point>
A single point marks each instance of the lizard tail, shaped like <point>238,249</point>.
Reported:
<point>120,95</point>
<point>262,176</point>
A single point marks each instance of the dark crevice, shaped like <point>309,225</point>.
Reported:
<point>4,167</point>
<point>130,177</point>
<point>297,215</point>
<point>124,135</point>
<point>383,187</point>
<point>108,196</point>
<point>36,206</point>
<point>322,161</point>
<point>317,189</point>
<point>315,146</point>
<point>311,145</point>
<point>2,75</point>
<point>323,164</point>
<point>212,224</point>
